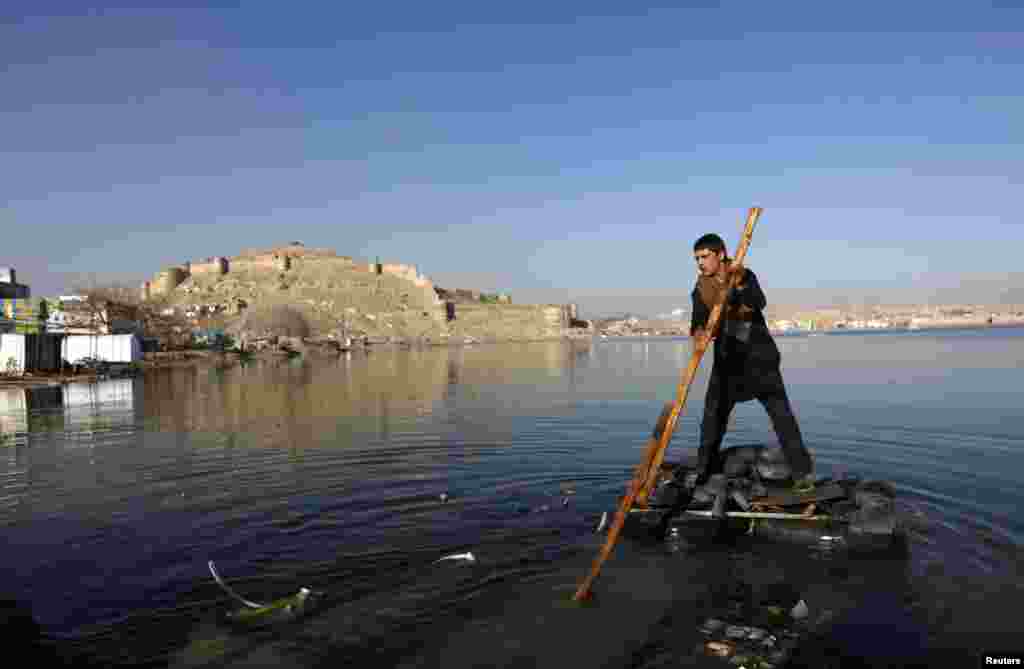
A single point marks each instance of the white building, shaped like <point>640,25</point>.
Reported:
<point>121,348</point>
<point>12,353</point>
<point>13,411</point>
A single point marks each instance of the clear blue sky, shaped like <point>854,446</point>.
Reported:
<point>558,150</point>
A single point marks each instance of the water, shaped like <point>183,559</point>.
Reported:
<point>328,474</point>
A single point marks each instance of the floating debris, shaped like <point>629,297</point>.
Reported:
<point>282,608</point>
<point>602,524</point>
<point>799,611</point>
<point>565,501</point>
<point>444,497</point>
<point>234,595</point>
<point>256,612</point>
<point>750,647</point>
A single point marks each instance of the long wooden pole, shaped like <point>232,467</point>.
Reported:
<point>684,386</point>
<point>654,454</point>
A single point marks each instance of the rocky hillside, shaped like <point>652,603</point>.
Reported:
<point>332,292</point>
<point>338,296</point>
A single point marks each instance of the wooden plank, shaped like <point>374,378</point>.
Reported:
<point>762,515</point>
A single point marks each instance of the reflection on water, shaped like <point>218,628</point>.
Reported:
<point>363,389</point>
<point>329,473</point>
<point>73,406</point>
<point>13,413</point>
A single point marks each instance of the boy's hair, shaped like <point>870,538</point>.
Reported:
<point>711,242</point>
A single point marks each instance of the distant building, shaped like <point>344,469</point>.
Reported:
<point>73,315</point>
<point>10,289</point>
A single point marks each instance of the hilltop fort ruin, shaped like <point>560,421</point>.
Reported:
<point>278,259</point>
<point>338,293</point>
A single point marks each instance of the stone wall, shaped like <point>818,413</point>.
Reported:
<point>166,281</point>
<point>293,250</point>
<point>210,267</point>
<point>510,321</point>
<point>269,262</point>
<point>280,259</point>
<point>468,296</point>
<point>407,272</point>
<point>304,265</point>
<point>458,295</point>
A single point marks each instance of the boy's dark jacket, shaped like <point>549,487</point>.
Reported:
<point>746,357</point>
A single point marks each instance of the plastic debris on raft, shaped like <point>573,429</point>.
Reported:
<point>799,611</point>
<point>719,648</point>
<point>736,632</point>
<point>754,495</point>
<point>711,626</point>
<point>458,557</point>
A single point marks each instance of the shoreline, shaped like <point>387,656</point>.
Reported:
<point>210,358</point>
<point>796,332</point>
<point>315,351</point>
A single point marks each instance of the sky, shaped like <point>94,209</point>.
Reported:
<point>558,151</point>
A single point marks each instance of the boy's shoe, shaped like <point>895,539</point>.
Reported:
<point>803,485</point>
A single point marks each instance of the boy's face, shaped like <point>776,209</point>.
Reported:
<point>708,261</point>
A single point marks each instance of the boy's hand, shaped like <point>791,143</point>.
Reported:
<point>741,272</point>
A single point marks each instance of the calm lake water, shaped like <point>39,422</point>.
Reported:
<point>327,474</point>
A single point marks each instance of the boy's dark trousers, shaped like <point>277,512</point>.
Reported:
<point>718,405</point>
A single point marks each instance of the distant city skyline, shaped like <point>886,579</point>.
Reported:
<point>560,153</point>
<point>987,289</point>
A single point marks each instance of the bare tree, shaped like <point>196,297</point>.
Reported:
<point>101,305</point>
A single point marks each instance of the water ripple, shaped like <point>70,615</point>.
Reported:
<point>333,476</point>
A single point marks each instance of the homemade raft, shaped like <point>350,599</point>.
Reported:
<point>754,496</point>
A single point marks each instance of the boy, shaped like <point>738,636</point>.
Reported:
<point>746,360</point>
